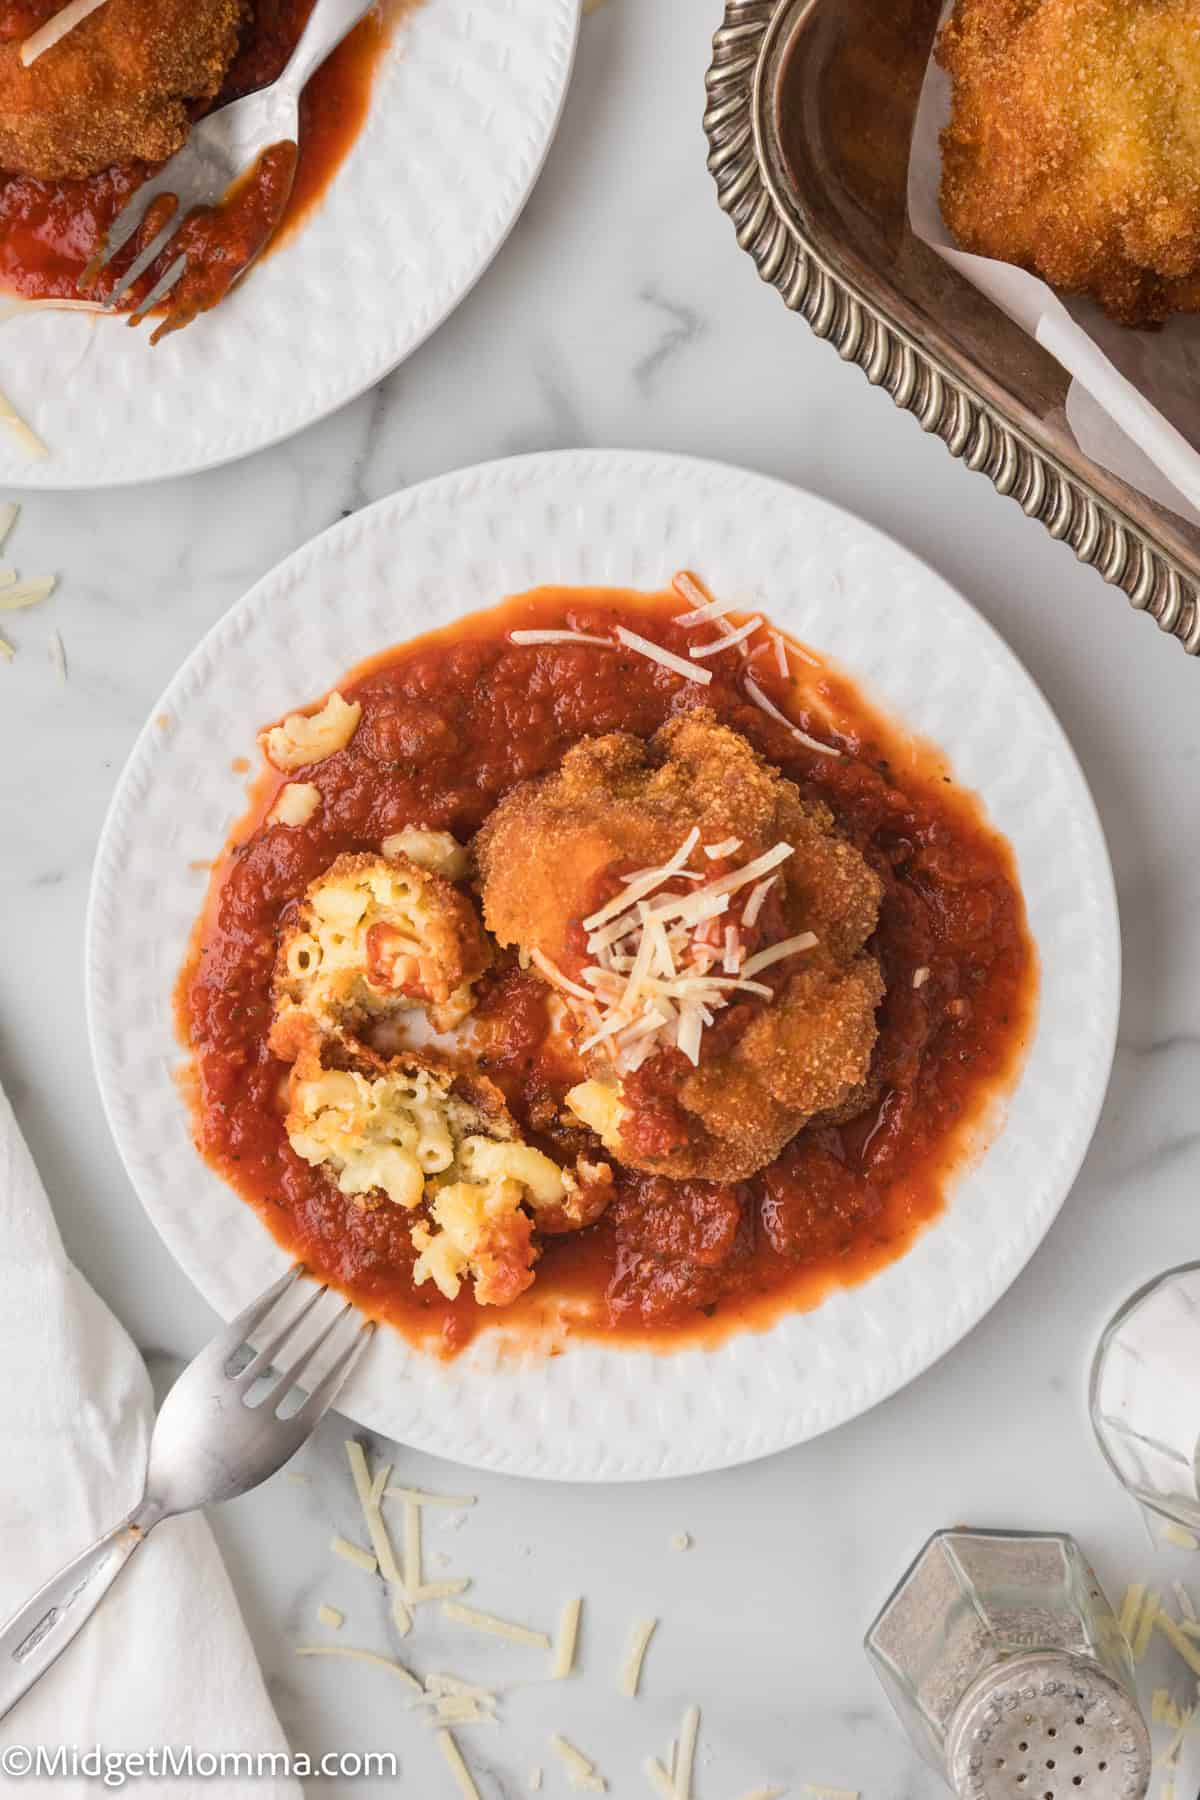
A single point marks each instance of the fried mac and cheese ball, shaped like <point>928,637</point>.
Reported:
<point>794,1046</point>
<point>1073,148</point>
<point>375,936</point>
<point>408,1132</point>
<point>118,88</point>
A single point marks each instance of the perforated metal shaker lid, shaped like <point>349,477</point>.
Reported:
<point>1048,1726</point>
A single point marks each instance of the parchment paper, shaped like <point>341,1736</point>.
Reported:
<point>1134,401</point>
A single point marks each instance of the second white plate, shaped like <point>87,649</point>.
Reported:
<point>465,541</point>
<point>463,109</point>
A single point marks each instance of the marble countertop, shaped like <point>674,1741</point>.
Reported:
<point>617,315</point>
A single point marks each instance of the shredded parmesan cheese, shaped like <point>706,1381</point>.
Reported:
<point>727,642</point>
<point>381,1543</point>
<point>580,1772</point>
<point>55,29</point>
<point>535,1781</point>
<point>1170,1630</point>
<point>10,512</point>
<point>457,1766</point>
<point>726,847</point>
<point>1179,1536</point>
<point>1131,1607</point>
<point>440,1685</point>
<point>412,1550</point>
<point>58,655</point>
<point>772,711</point>
<point>418,1497</point>
<point>635,1656</point>
<point>568,1636</point>
<point>659,1780</point>
<point>25,435</point>
<point>6,650</point>
<point>688,1733</point>
<point>682,1540</point>
<point>479,1621</point>
<point>330,1616</point>
<point>781,655</point>
<point>656,654</point>
<point>440,1590</point>
<point>703,609</point>
<point>559,637</point>
<point>383,1662</point>
<point>1187,1611</point>
<point>362,1559</point>
<point>792,946</point>
<point>1142,1635</point>
<point>18,595</point>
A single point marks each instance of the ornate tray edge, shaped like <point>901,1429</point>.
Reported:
<point>916,381</point>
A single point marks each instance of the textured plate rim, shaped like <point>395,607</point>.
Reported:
<point>39,476</point>
<point>906,1360</point>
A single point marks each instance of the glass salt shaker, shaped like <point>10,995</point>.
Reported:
<point>1003,1659</point>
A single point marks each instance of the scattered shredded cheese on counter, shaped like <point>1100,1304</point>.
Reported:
<point>581,1773</point>
<point>568,1636</point>
<point>377,1531</point>
<point>457,1766</point>
<point>688,1733</point>
<point>6,650</point>
<point>25,435</point>
<point>354,1553</point>
<point>384,1662</point>
<point>330,1616</point>
<point>668,659</point>
<point>479,1621</point>
<point>418,1497</point>
<point>441,1685</point>
<point>1179,1536</point>
<point>1174,1636</point>
<point>412,1550</point>
<point>1131,1607</point>
<point>682,1540</point>
<point>1140,1641</point>
<point>55,29</point>
<point>10,512</point>
<point>635,1656</point>
<point>16,596</point>
<point>535,1781</point>
<point>659,1780</point>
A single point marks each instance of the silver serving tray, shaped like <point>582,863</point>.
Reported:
<point>809,116</point>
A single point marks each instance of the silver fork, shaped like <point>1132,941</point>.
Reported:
<point>222,146</point>
<point>210,1442</point>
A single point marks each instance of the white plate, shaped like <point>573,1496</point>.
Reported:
<point>462,113</point>
<point>465,541</point>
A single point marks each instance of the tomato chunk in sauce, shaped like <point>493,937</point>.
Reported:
<point>450,722</point>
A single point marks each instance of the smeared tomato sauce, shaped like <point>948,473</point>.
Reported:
<point>450,723</point>
<point>49,231</point>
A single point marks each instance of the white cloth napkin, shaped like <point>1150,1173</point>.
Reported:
<point>166,1660</point>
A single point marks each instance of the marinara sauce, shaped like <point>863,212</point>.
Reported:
<point>49,231</point>
<point>450,722</point>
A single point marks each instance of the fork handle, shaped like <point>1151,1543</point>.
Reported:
<point>328,23</point>
<point>36,1637</point>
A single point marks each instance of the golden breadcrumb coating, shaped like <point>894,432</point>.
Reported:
<point>375,936</point>
<point>410,1132</point>
<point>116,89</point>
<point>1073,148</point>
<point>548,851</point>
